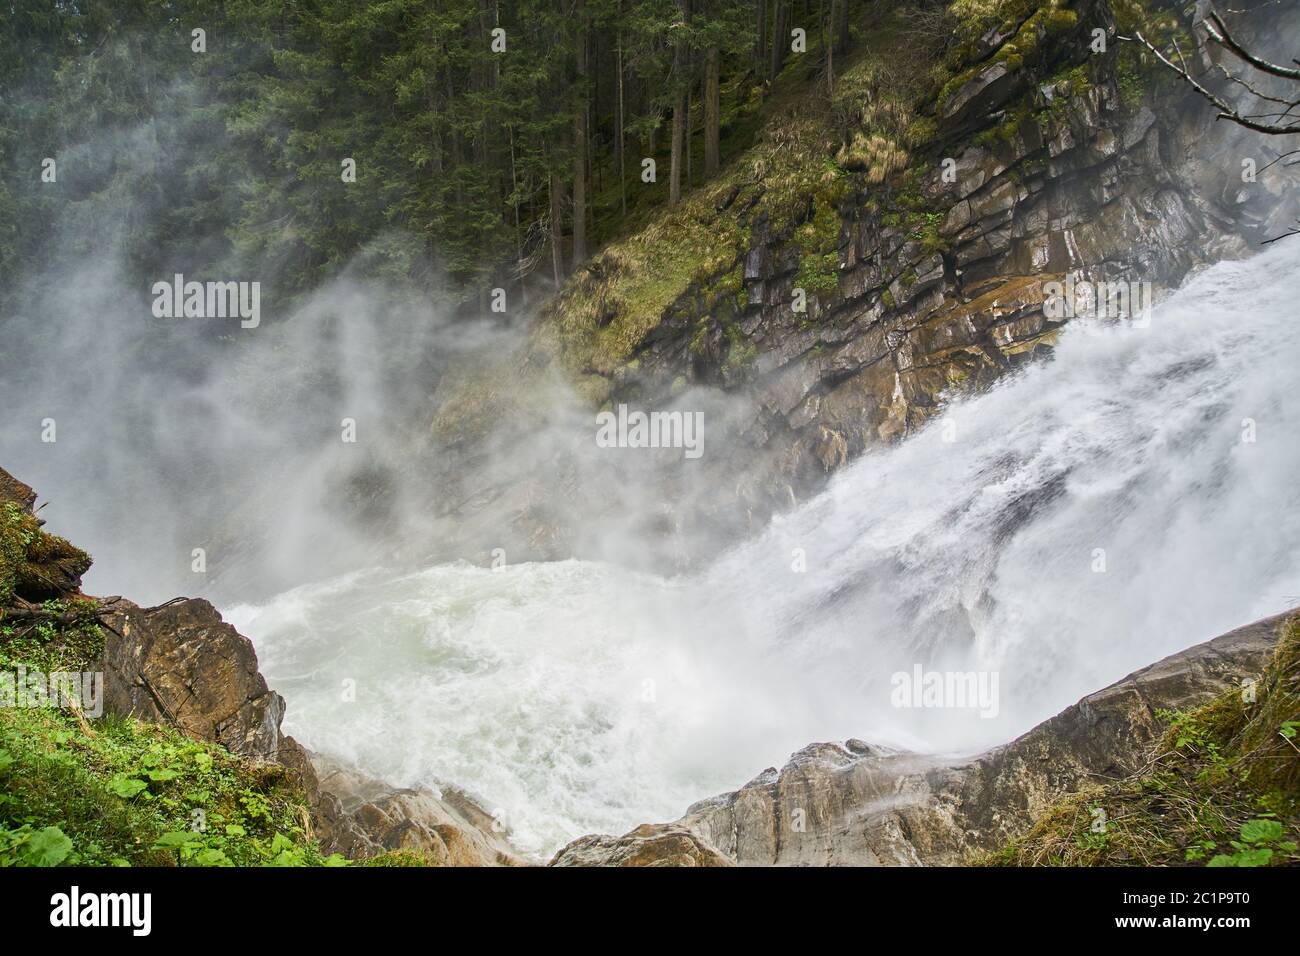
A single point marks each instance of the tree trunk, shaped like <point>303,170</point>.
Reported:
<point>690,136</point>
<point>829,41</point>
<point>680,105</point>
<point>712,115</point>
<point>557,235</point>
<point>760,43</point>
<point>580,145</point>
<point>519,227</point>
<point>780,42</point>
<point>618,126</point>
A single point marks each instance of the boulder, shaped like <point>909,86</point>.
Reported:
<point>855,804</point>
<point>665,845</point>
<point>366,816</point>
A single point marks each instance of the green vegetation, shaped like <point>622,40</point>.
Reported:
<point>492,143</point>
<point>114,791</point>
<point>31,560</point>
<point>1222,788</point>
<point>788,176</point>
<point>121,792</point>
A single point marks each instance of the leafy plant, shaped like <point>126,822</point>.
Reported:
<point>1259,839</point>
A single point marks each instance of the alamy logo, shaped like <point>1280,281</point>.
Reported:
<point>1083,298</point>
<point>208,300</point>
<point>83,691</point>
<point>103,909</point>
<point>651,430</point>
<point>960,690</point>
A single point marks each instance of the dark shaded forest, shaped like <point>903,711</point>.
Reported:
<point>463,143</point>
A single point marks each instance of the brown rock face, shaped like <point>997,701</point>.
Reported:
<point>834,805</point>
<point>648,845</point>
<point>1054,169</point>
<point>369,816</point>
<point>13,490</point>
<point>182,664</point>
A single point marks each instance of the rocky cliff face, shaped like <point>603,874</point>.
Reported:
<point>857,804</point>
<point>1040,157</point>
<point>181,664</point>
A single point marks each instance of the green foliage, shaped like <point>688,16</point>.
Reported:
<point>1260,839</point>
<point>48,846</point>
<point>121,792</point>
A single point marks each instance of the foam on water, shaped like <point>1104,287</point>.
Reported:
<point>576,697</point>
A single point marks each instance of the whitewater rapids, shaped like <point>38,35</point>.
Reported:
<point>1133,495</point>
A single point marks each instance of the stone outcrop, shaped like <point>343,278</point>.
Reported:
<point>648,845</point>
<point>446,825</point>
<point>1061,163</point>
<point>181,664</point>
<point>855,804</point>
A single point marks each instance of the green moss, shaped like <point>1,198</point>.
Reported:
<point>31,559</point>
<point>927,234</point>
<point>920,132</point>
<point>1066,86</point>
<point>1222,788</point>
<point>700,337</point>
<point>741,352</point>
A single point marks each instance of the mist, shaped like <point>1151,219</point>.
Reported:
<point>1130,497</point>
<point>375,487</point>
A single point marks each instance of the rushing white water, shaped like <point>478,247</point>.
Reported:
<point>575,697</point>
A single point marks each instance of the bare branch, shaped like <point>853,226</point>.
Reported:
<point>1225,111</point>
<point>1218,32</point>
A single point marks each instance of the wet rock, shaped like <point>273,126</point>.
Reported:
<point>181,664</point>
<point>982,93</point>
<point>645,846</point>
<point>445,825</point>
<point>857,804</point>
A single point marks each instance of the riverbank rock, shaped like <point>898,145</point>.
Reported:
<point>446,824</point>
<point>852,804</point>
<point>647,845</point>
<point>181,664</point>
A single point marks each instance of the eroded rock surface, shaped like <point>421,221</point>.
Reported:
<point>445,824</point>
<point>855,804</point>
<point>1057,169</point>
<point>180,663</point>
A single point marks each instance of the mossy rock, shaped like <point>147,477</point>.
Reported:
<point>34,565</point>
<point>1222,788</point>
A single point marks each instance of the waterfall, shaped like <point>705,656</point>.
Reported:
<point>1131,496</point>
